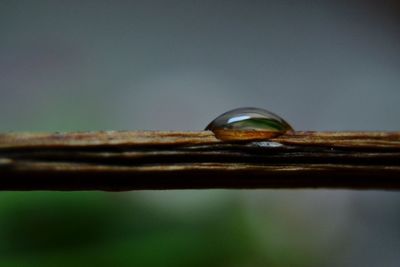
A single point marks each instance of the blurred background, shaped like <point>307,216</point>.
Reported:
<point>176,65</point>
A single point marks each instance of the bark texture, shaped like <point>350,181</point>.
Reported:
<point>115,161</point>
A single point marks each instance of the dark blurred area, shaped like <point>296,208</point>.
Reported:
<point>175,65</point>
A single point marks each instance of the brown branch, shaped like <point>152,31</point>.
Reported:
<point>171,160</point>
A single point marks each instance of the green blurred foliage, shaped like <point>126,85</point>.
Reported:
<point>109,229</point>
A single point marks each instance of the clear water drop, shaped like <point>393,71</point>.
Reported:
<point>248,124</point>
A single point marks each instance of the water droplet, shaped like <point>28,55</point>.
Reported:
<point>248,124</point>
<point>266,144</point>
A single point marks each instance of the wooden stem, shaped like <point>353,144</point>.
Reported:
<point>115,161</point>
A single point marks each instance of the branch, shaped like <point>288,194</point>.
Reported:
<point>116,161</point>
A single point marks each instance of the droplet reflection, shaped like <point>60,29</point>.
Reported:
<point>248,124</point>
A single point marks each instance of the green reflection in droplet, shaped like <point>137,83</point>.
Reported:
<point>248,124</point>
